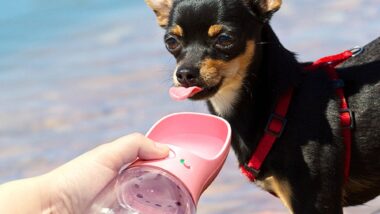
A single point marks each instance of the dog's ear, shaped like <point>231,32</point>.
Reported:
<point>162,10</point>
<point>264,8</point>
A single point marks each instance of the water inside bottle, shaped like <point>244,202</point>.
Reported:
<point>148,190</point>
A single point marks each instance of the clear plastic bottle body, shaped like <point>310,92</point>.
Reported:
<point>148,190</point>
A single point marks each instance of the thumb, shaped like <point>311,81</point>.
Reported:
<point>127,149</point>
<point>152,150</point>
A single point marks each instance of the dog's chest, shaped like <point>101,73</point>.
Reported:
<point>224,100</point>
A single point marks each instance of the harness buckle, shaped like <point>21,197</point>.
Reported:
<point>347,110</point>
<point>251,170</point>
<point>356,50</point>
<point>283,122</point>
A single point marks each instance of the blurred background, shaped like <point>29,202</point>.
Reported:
<point>78,73</point>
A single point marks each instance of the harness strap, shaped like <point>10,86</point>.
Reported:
<point>277,120</point>
<point>273,130</point>
<point>345,114</point>
<point>332,60</point>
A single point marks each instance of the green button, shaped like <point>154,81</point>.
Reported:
<point>183,162</point>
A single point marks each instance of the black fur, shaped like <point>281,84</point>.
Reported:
<point>309,155</point>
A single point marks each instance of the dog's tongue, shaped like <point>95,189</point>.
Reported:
<point>182,93</point>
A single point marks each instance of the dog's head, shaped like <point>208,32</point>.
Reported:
<point>213,41</point>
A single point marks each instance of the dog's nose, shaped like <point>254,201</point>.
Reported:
<point>187,77</point>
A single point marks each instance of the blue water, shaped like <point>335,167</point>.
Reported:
<point>26,23</point>
<point>78,73</point>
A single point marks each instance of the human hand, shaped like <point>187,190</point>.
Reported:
<point>73,187</point>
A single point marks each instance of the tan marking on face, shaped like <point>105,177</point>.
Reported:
<point>214,30</point>
<point>162,10</point>
<point>280,187</point>
<point>210,71</point>
<point>177,30</point>
<point>232,72</point>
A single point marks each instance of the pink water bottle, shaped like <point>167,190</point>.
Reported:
<point>199,145</point>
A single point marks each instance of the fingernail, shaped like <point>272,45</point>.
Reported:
<point>162,146</point>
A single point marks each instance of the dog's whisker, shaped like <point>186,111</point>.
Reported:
<point>265,43</point>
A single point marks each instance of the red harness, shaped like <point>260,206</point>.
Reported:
<point>277,120</point>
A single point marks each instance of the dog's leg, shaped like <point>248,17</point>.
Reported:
<point>304,196</point>
<point>313,198</point>
<point>318,189</point>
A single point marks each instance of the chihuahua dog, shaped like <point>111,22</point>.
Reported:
<point>228,55</point>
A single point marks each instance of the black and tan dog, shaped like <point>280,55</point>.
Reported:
<point>228,50</point>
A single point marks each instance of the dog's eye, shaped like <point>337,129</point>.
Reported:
<point>224,41</point>
<point>172,44</point>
